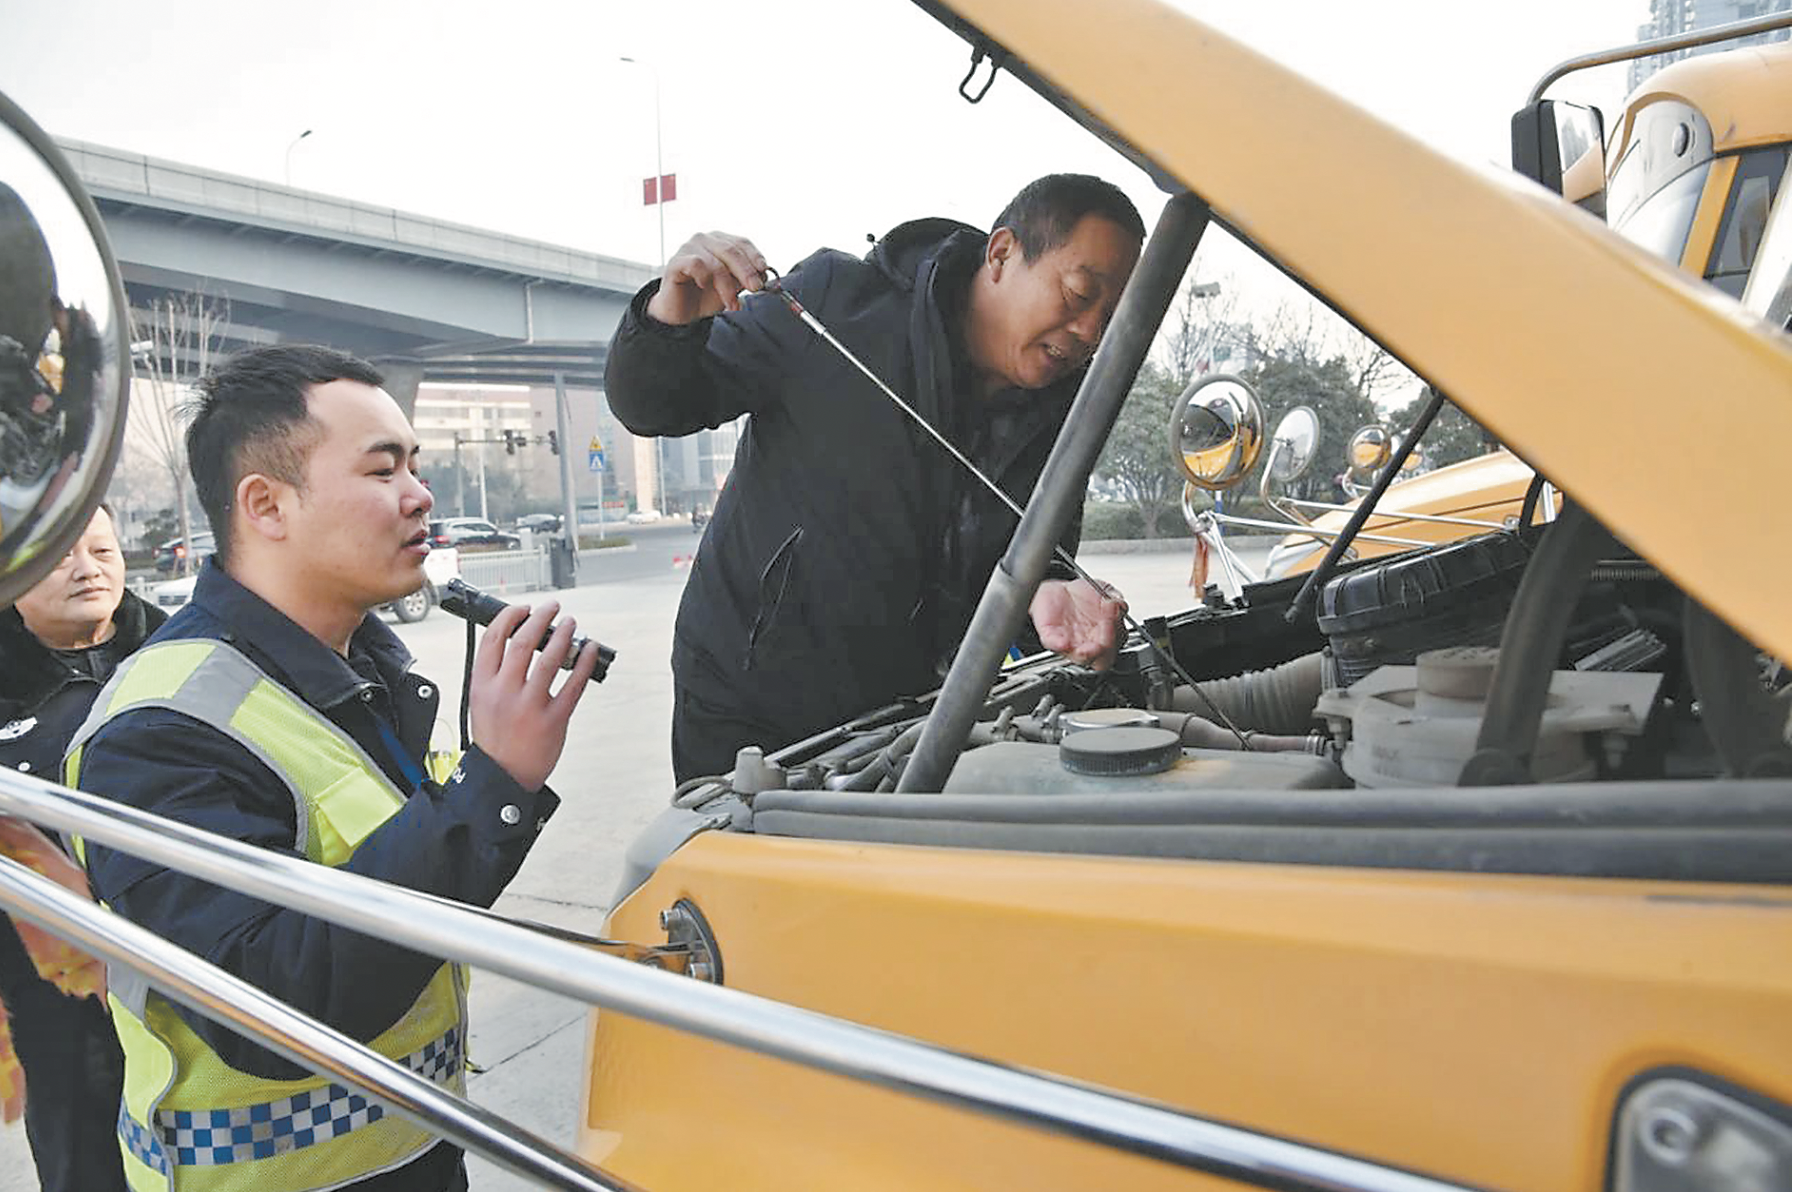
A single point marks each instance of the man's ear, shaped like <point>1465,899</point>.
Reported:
<point>263,504</point>
<point>1001,246</point>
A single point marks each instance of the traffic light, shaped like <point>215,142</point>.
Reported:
<point>554,443</point>
<point>510,442</point>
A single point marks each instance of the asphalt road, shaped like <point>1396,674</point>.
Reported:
<point>613,777</point>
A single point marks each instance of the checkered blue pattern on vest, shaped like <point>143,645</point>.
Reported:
<point>207,1137</point>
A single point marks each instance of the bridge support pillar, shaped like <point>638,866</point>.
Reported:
<point>402,378</point>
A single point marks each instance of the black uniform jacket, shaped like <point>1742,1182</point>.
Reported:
<point>457,840</point>
<point>848,550</point>
<point>44,697</point>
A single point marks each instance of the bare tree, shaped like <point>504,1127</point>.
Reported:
<point>1376,373</point>
<point>139,482</point>
<point>1202,320</point>
<point>174,342</point>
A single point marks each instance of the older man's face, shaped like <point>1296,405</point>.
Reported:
<point>73,605</point>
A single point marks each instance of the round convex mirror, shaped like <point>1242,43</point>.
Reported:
<point>63,353</point>
<point>1217,429</point>
<point>1367,452</point>
<point>1294,444</point>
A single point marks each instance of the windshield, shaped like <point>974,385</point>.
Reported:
<point>1746,218</point>
<point>1657,184</point>
<point>1660,224</point>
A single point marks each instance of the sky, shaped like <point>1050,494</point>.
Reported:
<point>798,123</point>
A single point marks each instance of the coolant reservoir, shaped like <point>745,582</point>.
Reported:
<point>1417,725</point>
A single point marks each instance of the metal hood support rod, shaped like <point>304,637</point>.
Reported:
<point>1012,584</point>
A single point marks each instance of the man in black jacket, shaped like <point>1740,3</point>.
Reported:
<point>846,553</point>
<point>59,643</point>
<point>307,470</point>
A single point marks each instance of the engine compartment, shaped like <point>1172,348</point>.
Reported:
<point>1342,738</point>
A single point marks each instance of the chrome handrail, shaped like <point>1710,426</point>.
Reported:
<point>815,1040</point>
<point>1661,45</point>
<point>236,1003</point>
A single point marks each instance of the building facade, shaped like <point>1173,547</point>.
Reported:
<point>1670,17</point>
<point>466,425</point>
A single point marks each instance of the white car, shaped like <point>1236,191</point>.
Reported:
<point>642,517</point>
<point>440,566</point>
<point>171,594</point>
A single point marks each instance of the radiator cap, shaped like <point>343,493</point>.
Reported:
<point>1120,752</point>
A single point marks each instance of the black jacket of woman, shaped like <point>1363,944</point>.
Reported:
<point>74,1070</point>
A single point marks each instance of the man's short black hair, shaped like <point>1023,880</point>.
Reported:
<point>1043,215</point>
<point>251,416</point>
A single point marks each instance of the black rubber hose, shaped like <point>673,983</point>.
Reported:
<point>1743,719</point>
<point>1531,642</point>
<point>1279,699</point>
<point>1530,506</point>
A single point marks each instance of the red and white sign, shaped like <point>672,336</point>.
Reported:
<point>663,189</point>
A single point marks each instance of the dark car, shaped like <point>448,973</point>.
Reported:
<point>469,531</point>
<point>170,553</point>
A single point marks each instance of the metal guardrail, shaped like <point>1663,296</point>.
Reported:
<point>505,571</point>
<point>429,925</point>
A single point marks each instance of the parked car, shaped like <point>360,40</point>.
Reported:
<point>469,531</point>
<point>440,566</point>
<point>642,517</point>
<point>170,553</point>
<point>171,594</point>
<point>540,523</point>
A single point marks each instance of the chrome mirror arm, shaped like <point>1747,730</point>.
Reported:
<point>1278,501</point>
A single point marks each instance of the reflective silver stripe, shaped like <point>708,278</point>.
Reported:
<point>208,1138</point>
<point>211,695</point>
<point>140,1143</point>
<point>129,987</point>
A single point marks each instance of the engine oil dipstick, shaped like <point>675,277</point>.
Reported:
<point>814,324</point>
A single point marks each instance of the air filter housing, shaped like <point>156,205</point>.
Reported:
<point>1454,596</point>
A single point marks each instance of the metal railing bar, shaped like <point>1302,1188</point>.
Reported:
<point>1398,515</point>
<point>1255,523</point>
<point>254,1014</point>
<point>1661,45</point>
<point>758,1024</point>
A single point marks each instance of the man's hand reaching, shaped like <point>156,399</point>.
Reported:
<point>1079,621</point>
<point>516,719</point>
<point>706,276</point>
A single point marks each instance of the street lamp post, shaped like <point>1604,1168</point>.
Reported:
<point>660,204</point>
<point>290,148</point>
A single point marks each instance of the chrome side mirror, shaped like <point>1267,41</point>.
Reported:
<point>1367,452</point>
<point>1217,431</point>
<point>1293,445</point>
<point>64,376</point>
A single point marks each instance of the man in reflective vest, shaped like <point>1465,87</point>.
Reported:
<point>277,709</point>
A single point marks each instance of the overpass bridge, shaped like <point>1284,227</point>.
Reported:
<point>424,299</point>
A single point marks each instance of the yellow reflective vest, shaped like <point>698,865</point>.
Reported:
<point>189,1120</point>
